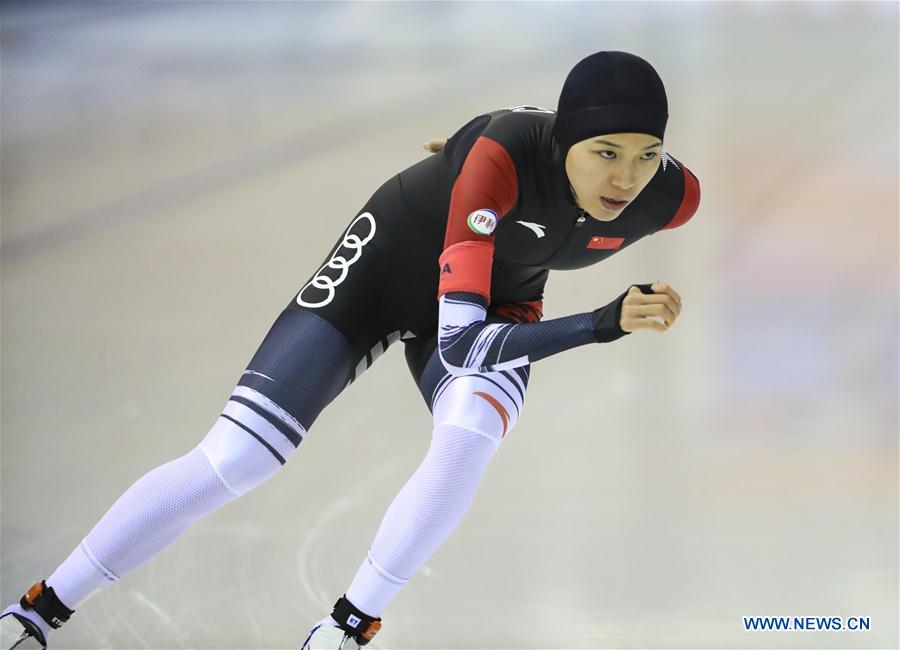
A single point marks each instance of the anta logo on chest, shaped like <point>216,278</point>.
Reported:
<point>605,243</point>
<point>537,228</point>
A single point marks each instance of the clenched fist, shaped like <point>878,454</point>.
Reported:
<point>656,311</point>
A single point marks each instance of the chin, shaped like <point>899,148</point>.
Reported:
<point>602,214</point>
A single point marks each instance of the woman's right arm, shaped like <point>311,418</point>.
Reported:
<point>468,345</point>
<point>485,190</point>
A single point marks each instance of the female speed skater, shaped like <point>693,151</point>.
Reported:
<point>450,256</point>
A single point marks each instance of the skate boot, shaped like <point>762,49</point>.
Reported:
<point>355,629</point>
<point>27,624</point>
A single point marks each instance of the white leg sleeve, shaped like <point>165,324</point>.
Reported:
<point>422,516</point>
<point>160,506</point>
<point>472,414</point>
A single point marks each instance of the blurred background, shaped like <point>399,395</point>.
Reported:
<point>173,172</point>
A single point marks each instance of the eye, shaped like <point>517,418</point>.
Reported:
<point>652,155</point>
<point>605,151</point>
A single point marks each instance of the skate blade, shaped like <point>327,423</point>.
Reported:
<point>26,642</point>
<point>13,635</point>
<point>329,638</point>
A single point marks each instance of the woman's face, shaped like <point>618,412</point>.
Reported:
<point>611,167</point>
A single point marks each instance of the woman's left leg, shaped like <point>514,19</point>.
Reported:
<point>472,414</point>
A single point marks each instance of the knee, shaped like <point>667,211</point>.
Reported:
<point>251,440</point>
<point>486,404</point>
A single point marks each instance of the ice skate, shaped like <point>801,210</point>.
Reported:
<point>27,624</point>
<point>327,637</point>
<point>355,629</point>
<point>19,633</point>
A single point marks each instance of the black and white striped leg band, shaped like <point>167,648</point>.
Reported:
<point>487,403</point>
<point>252,438</point>
<point>274,428</point>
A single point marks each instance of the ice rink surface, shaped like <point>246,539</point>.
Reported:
<point>173,173</point>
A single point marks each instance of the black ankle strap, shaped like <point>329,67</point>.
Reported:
<point>354,621</point>
<point>44,601</point>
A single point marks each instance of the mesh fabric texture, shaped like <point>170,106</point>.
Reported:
<point>154,511</point>
<point>432,503</point>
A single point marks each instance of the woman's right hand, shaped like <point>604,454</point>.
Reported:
<point>641,310</point>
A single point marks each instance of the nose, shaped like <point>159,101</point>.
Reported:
<point>625,180</point>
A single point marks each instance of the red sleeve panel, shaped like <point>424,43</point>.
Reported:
<point>689,202</point>
<point>522,312</point>
<point>487,181</point>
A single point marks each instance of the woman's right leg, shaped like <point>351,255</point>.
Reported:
<point>303,363</point>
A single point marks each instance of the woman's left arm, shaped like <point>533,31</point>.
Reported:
<point>485,190</point>
<point>434,145</point>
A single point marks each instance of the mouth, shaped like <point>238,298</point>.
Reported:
<point>612,204</point>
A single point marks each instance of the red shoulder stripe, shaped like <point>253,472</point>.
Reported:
<point>689,202</point>
<point>487,179</point>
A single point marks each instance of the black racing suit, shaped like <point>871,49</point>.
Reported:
<point>381,280</point>
<point>391,289</point>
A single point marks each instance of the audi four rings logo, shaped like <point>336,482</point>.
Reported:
<point>352,242</point>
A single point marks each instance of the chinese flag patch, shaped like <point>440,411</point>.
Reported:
<point>605,242</point>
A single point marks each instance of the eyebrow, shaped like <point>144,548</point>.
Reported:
<point>618,146</point>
